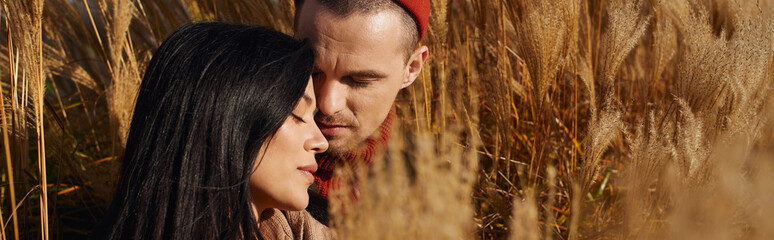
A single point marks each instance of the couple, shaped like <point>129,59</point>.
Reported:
<point>233,124</point>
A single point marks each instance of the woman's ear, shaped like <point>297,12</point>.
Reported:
<point>415,63</point>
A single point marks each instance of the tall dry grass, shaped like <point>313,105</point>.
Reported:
<point>579,119</point>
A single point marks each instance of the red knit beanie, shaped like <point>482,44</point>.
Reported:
<point>419,10</point>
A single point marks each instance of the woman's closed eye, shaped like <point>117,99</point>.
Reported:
<point>300,119</point>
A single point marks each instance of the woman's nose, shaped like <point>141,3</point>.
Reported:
<point>317,142</point>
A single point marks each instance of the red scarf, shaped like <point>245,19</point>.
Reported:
<point>374,146</point>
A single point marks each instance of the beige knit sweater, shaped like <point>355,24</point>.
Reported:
<point>292,225</point>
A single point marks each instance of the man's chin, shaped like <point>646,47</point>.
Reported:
<point>339,147</point>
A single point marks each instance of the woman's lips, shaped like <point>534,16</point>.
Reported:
<point>308,171</point>
<point>308,175</point>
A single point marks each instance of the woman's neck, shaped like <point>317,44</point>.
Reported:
<point>257,210</point>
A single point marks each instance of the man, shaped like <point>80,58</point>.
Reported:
<point>366,51</point>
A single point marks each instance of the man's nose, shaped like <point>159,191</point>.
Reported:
<point>331,96</point>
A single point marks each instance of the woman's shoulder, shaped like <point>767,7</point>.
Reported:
<point>281,224</point>
<point>318,207</point>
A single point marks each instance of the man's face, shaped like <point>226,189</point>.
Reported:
<point>360,67</point>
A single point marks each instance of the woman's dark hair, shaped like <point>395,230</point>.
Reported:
<point>212,94</point>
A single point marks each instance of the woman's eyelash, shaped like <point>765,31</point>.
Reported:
<point>298,118</point>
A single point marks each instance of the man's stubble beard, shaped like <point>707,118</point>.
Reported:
<point>341,146</point>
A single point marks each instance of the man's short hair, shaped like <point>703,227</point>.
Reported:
<point>345,8</point>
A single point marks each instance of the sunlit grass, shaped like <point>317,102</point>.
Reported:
<point>578,119</point>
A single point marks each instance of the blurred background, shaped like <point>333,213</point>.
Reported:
<point>551,119</point>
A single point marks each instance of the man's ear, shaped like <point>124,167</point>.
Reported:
<point>415,63</point>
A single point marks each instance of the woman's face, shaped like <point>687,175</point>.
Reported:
<point>286,162</point>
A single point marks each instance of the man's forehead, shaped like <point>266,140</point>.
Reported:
<point>355,27</point>
<point>358,42</point>
<point>362,64</point>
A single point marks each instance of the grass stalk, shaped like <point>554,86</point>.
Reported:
<point>543,92</point>
<point>575,211</point>
<point>38,105</point>
<point>9,169</point>
<point>7,142</point>
<point>549,207</point>
<point>2,225</point>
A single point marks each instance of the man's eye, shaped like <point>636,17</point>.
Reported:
<point>360,84</point>
<point>357,82</point>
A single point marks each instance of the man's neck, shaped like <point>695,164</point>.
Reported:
<point>363,156</point>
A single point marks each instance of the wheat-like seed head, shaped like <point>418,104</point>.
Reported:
<point>508,82</point>
<point>541,34</point>
<point>524,218</point>
<point>623,33</point>
<point>602,130</point>
<point>665,42</point>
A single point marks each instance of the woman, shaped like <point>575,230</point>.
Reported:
<point>222,131</point>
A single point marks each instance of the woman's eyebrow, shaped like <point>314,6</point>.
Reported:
<point>308,99</point>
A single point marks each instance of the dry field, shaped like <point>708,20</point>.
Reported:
<point>552,119</point>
